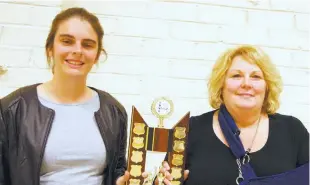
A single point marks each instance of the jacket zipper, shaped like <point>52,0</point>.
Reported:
<point>43,147</point>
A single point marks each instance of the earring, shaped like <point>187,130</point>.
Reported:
<point>3,70</point>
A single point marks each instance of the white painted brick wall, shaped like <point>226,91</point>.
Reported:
<point>24,36</point>
<point>300,59</point>
<point>25,14</point>
<point>198,32</point>
<point>17,77</point>
<point>247,34</point>
<point>9,13</point>
<point>48,3</point>
<point>290,6</point>
<point>302,22</point>
<point>14,57</point>
<point>270,19</point>
<point>290,39</point>
<point>165,48</point>
<point>221,15</point>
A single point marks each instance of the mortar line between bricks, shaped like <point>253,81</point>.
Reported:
<point>94,73</point>
<point>237,7</point>
<point>165,39</point>
<point>147,57</point>
<point>17,47</point>
<point>1,32</point>
<point>160,19</point>
<point>29,4</point>
<point>14,25</point>
<point>276,47</point>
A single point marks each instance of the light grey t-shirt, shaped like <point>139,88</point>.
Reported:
<point>75,152</point>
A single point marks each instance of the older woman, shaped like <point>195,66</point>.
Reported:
<point>244,90</point>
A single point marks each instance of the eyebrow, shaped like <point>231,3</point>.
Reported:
<point>66,35</point>
<point>70,36</point>
<point>238,70</point>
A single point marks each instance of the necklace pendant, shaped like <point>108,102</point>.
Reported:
<point>248,151</point>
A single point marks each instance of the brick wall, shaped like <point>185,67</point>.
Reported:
<point>165,48</point>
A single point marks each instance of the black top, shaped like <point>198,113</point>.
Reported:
<point>211,162</point>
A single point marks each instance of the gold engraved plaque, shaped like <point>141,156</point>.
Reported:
<point>180,132</point>
<point>134,182</point>
<point>139,129</point>
<point>175,182</point>
<point>137,156</point>
<point>158,139</point>
<point>135,170</point>
<point>176,173</point>
<point>177,159</point>
<point>138,142</point>
<point>178,146</point>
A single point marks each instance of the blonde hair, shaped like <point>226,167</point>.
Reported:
<point>253,55</point>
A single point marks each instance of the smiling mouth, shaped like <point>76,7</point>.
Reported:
<point>74,62</point>
<point>245,95</point>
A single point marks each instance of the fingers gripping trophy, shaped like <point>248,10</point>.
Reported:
<point>144,138</point>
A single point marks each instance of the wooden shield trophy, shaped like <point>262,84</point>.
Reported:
<point>158,139</point>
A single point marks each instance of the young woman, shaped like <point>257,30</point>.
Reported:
<point>62,131</point>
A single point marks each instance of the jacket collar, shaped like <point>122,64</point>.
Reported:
<point>104,116</point>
